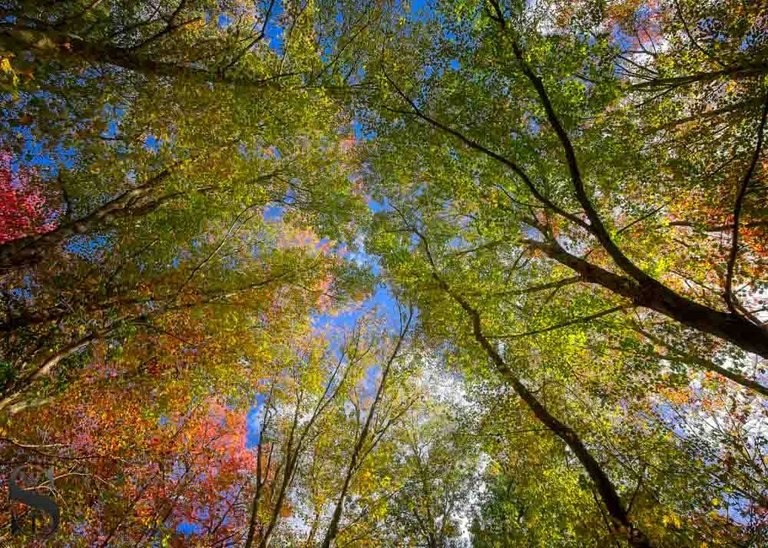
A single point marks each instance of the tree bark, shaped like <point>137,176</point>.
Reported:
<point>652,294</point>
<point>32,249</point>
<point>44,368</point>
<point>52,43</point>
<point>620,521</point>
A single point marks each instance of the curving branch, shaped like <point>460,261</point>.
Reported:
<point>32,249</point>
<point>743,188</point>
<point>691,359</point>
<point>513,166</point>
<point>596,226</point>
<point>620,521</point>
<point>575,321</point>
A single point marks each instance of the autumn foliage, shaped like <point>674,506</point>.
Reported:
<point>24,210</point>
<point>358,274</point>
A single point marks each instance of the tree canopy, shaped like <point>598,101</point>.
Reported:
<point>338,274</point>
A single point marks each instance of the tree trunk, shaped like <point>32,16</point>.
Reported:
<point>620,521</point>
<point>32,249</point>
<point>651,294</point>
<point>53,43</point>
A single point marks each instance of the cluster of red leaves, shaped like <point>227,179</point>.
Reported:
<point>23,209</point>
<point>142,476</point>
<point>206,470</point>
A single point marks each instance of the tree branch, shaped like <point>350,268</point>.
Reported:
<point>728,293</point>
